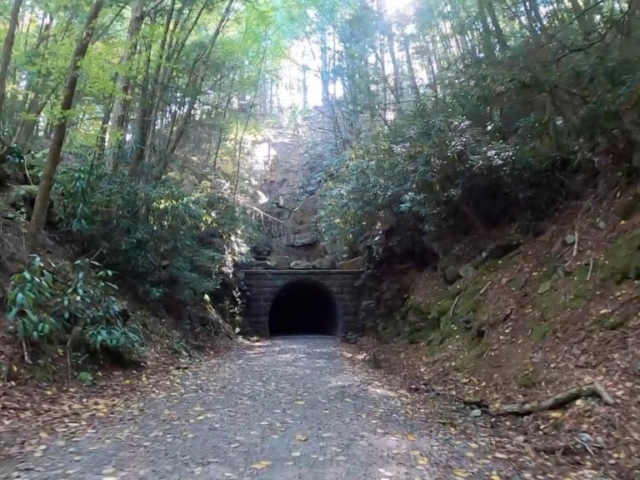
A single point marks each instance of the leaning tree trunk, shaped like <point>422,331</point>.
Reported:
<point>40,208</point>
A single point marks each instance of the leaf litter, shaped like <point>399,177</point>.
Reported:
<point>204,409</point>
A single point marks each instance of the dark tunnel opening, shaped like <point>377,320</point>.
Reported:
<point>303,307</point>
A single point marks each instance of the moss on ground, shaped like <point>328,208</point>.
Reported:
<point>622,260</point>
<point>540,331</point>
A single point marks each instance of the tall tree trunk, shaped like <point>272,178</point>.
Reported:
<point>143,120</point>
<point>7,50</point>
<point>39,216</point>
<point>118,129</point>
<point>397,83</point>
<point>487,43</point>
<point>305,89</point>
<point>578,13</point>
<point>172,51</point>
<point>101,142</point>
<point>497,28</point>
<point>412,75</point>
<point>199,79</point>
<point>324,68</point>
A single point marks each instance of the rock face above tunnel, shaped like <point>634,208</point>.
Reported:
<point>264,285</point>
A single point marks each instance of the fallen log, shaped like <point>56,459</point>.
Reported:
<point>553,403</point>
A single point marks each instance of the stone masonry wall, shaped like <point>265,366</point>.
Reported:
<point>263,286</point>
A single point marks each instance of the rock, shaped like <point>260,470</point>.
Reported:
<point>300,265</point>
<point>601,225</point>
<point>280,262</point>
<point>544,287</point>
<point>352,264</point>
<point>478,261</point>
<point>246,264</point>
<point>302,239</point>
<point>467,271</point>
<point>451,275</point>
<point>475,413</point>
<point>261,265</point>
<point>569,240</point>
<point>519,282</point>
<point>325,263</point>
<point>466,322</point>
<point>502,249</point>
<point>350,338</point>
<point>584,437</point>
<point>260,251</point>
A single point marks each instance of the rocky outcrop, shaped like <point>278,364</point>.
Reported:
<point>260,251</point>
<point>280,262</point>
<point>301,239</point>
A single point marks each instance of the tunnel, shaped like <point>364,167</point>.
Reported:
<point>303,307</point>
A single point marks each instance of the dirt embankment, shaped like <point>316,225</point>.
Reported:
<point>560,312</point>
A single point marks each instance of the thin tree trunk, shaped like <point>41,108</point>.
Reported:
<point>412,75</point>
<point>497,28</point>
<point>123,101</point>
<point>396,67</point>
<point>7,50</point>
<point>39,216</point>
<point>173,144</point>
<point>487,43</point>
<point>173,50</point>
<point>246,124</point>
<point>143,120</point>
<point>101,142</point>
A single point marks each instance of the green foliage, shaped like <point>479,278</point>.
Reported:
<point>85,377</point>
<point>167,241</point>
<point>498,134</point>
<point>69,303</point>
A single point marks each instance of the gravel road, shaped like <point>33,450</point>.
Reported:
<point>284,409</point>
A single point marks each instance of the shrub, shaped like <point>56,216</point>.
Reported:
<point>70,304</point>
<point>165,240</point>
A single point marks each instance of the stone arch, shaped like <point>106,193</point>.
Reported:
<point>304,307</point>
<point>263,285</point>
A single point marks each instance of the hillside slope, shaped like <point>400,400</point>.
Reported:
<point>559,312</point>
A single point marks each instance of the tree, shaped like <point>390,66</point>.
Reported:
<point>7,50</point>
<point>40,209</point>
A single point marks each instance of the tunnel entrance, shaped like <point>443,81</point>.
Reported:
<point>303,307</point>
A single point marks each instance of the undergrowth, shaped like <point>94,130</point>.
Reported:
<point>70,305</point>
<point>166,241</point>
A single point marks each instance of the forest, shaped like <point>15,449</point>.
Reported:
<point>135,134</point>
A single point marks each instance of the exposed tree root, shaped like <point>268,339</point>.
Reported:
<point>558,401</point>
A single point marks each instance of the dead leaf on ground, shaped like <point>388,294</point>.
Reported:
<point>262,464</point>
